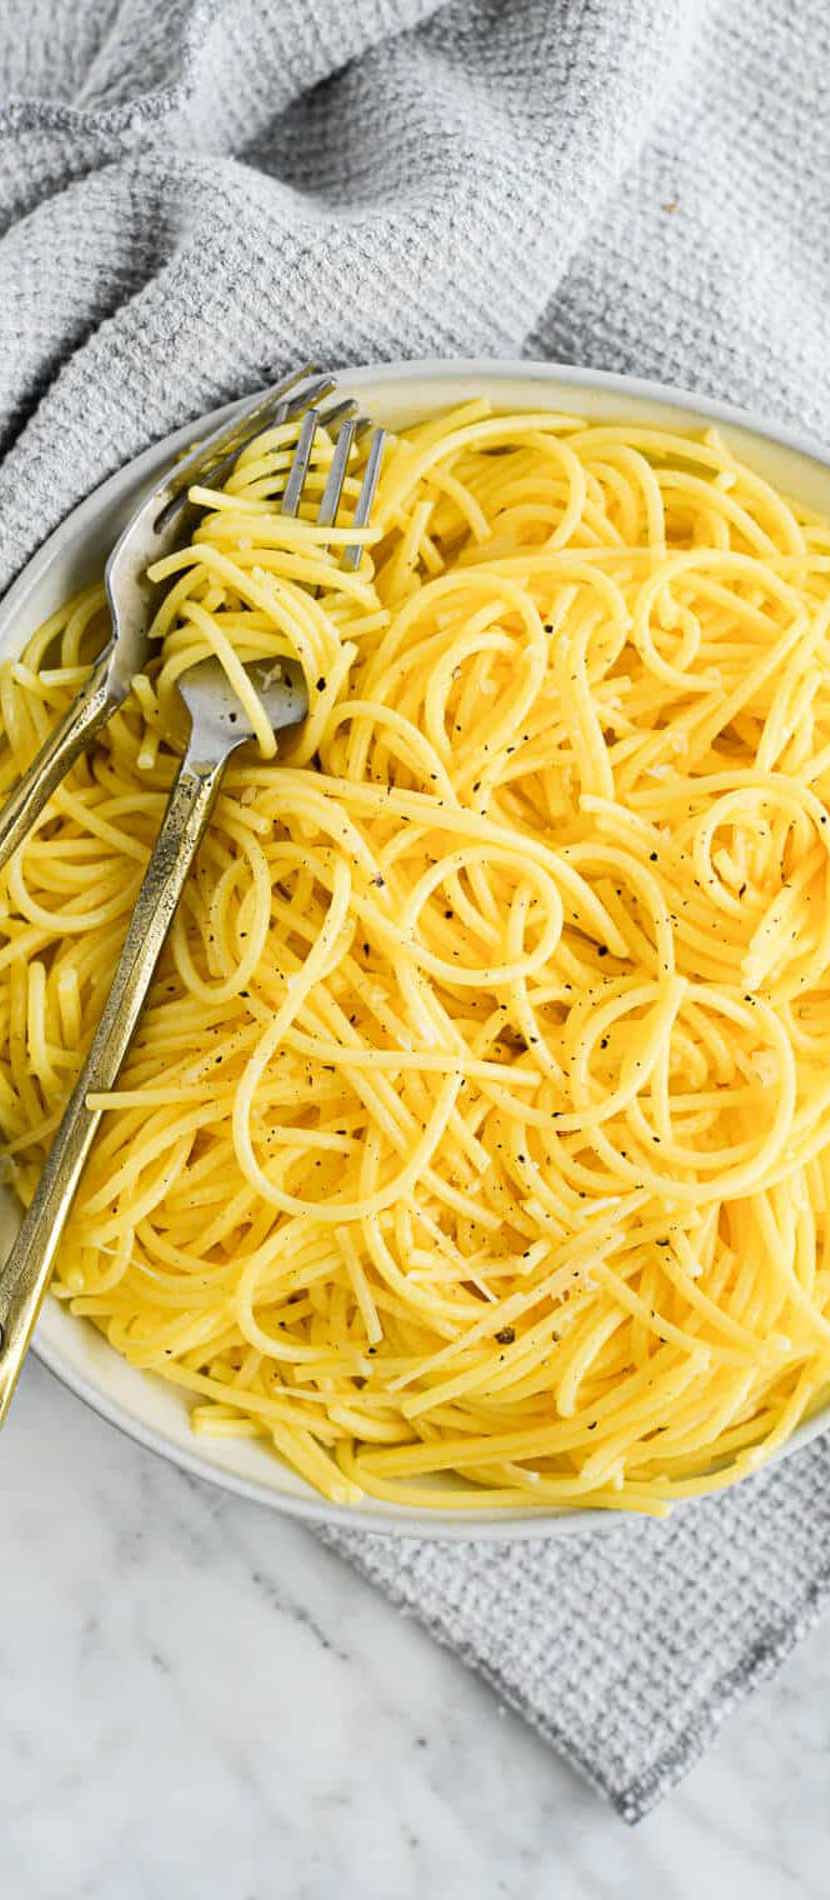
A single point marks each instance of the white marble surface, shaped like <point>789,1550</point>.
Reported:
<point>197,1700</point>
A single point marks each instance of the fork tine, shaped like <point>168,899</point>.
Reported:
<point>210,460</point>
<point>258,415</point>
<point>308,398</point>
<point>292,493</point>
<point>327,512</point>
<point>251,418</point>
<point>254,421</point>
<point>342,418</point>
<point>363,507</point>
<point>332,418</point>
<point>284,412</point>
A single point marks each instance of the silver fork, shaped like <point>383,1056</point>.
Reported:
<point>219,725</point>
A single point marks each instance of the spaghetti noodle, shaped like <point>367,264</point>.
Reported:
<point>475,1143</point>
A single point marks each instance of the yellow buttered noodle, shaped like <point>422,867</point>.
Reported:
<point>478,1121</point>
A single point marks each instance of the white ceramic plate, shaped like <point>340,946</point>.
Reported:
<point>144,1406</point>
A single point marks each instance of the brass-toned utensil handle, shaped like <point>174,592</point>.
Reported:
<point>25,1276</point>
<point>94,705</point>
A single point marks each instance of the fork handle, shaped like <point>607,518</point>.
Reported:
<point>94,705</point>
<point>25,1276</point>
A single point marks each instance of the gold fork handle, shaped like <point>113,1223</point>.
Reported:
<point>94,705</point>
<point>25,1276</point>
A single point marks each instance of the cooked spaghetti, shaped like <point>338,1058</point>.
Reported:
<point>477,1126</point>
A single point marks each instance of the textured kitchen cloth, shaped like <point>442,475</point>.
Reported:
<point>196,194</point>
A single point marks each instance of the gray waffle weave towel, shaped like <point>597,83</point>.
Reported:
<point>195,194</point>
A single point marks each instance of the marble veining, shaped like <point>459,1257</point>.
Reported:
<point>198,1699</point>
